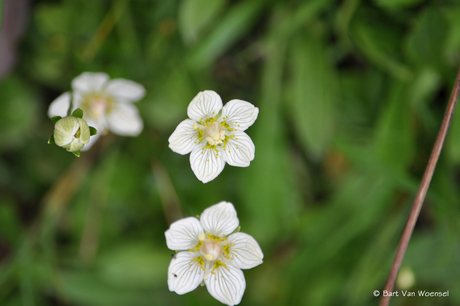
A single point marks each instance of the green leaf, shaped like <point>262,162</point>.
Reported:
<point>18,114</point>
<point>395,135</point>
<point>52,19</point>
<point>261,194</point>
<point>195,15</point>
<point>234,24</point>
<point>51,139</point>
<point>453,41</point>
<point>426,43</point>
<point>55,119</point>
<point>78,113</point>
<point>453,138</point>
<point>397,4</point>
<point>380,43</point>
<point>92,131</point>
<point>77,153</point>
<point>312,94</point>
<point>85,287</point>
<point>134,265</point>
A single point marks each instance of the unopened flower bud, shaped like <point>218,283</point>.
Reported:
<point>71,133</point>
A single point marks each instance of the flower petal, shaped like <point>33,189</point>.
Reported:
<point>227,285</point>
<point>183,138</point>
<point>126,89</point>
<point>78,98</point>
<point>206,104</point>
<point>246,252</point>
<point>239,150</point>
<point>61,138</point>
<point>239,114</point>
<point>183,234</point>
<point>220,219</point>
<point>75,145</point>
<point>90,82</point>
<point>184,273</point>
<point>60,105</point>
<point>65,129</point>
<point>207,164</point>
<point>124,120</point>
<point>100,126</point>
<point>92,140</point>
<point>84,131</point>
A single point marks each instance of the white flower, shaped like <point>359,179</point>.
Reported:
<point>211,254</point>
<point>71,133</point>
<point>214,135</point>
<point>106,104</point>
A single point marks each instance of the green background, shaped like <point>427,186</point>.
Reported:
<point>351,96</point>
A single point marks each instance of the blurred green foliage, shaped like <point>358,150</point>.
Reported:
<point>351,94</point>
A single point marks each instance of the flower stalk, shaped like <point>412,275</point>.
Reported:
<point>421,194</point>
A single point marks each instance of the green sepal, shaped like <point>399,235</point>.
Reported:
<point>55,119</point>
<point>77,153</point>
<point>78,113</point>
<point>237,229</point>
<point>51,139</point>
<point>92,131</point>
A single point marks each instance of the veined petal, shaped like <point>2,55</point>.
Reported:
<point>60,105</point>
<point>61,138</point>
<point>84,131</point>
<point>220,219</point>
<point>206,104</point>
<point>183,138</point>
<point>90,82</point>
<point>184,273</point>
<point>183,234</point>
<point>124,120</point>
<point>227,285</point>
<point>126,89</point>
<point>246,252</point>
<point>206,163</point>
<point>75,145</point>
<point>65,129</point>
<point>92,140</point>
<point>239,150</point>
<point>239,114</point>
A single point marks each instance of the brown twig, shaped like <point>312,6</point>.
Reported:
<point>420,197</point>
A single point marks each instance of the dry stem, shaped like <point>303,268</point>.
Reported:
<point>420,197</point>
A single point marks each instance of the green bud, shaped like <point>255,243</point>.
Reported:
<point>71,133</point>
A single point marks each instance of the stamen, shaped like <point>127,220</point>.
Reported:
<point>77,134</point>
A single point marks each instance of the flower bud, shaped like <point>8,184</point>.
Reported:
<point>71,133</point>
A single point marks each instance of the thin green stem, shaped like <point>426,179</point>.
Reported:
<point>69,111</point>
<point>421,194</point>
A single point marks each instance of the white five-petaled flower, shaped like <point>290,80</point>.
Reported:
<point>106,104</point>
<point>211,253</point>
<point>215,135</point>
